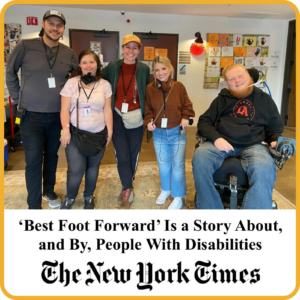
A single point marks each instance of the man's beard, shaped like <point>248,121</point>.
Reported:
<point>243,93</point>
<point>50,38</point>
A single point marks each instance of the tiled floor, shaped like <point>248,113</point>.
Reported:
<point>285,183</point>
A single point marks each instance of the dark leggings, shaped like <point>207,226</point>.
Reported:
<point>78,165</point>
<point>127,144</point>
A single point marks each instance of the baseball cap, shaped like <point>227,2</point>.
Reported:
<point>131,38</point>
<point>54,13</point>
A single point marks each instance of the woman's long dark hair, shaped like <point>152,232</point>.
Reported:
<point>78,71</point>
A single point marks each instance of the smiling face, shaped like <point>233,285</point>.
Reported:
<point>238,80</point>
<point>131,51</point>
<point>162,72</point>
<point>88,64</point>
<point>54,28</point>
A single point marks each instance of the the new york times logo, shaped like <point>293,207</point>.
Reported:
<point>146,275</point>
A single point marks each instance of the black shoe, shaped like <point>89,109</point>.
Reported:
<point>89,204</point>
<point>67,204</point>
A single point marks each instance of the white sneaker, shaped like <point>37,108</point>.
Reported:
<point>176,203</point>
<point>162,198</point>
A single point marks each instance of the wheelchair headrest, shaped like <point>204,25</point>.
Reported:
<point>254,74</point>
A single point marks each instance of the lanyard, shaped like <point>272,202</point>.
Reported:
<point>48,59</point>
<point>164,95</point>
<point>128,84</point>
<point>88,97</point>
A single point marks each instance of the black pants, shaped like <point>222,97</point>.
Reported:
<point>127,144</point>
<point>40,136</point>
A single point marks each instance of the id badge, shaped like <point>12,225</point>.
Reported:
<point>124,108</point>
<point>51,83</point>
<point>164,122</point>
<point>87,111</point>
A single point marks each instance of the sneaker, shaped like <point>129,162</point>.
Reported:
<point>89,204</point>
<point>127,200</point>
<point>53,199</point>
<point>162,198</point>
<point>120,197</point>
<point>176,203</point>
<point>67,203</point>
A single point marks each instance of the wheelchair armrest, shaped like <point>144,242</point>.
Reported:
<point>200,138</point>
<point>285,148</point>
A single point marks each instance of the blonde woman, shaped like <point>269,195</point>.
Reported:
<point>167,113</point>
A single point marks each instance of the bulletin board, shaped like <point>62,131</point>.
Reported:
<point>223,49</point>
<point>12,35</point>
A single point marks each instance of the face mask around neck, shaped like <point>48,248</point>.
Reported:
<point>88,78</point>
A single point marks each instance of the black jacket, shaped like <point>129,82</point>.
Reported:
<point>241,122</point>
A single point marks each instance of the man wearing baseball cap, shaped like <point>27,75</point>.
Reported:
<point>45,67</point>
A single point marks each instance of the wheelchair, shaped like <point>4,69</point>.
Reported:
<point>231,180</point>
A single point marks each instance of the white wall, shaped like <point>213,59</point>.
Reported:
<point>185,26</point>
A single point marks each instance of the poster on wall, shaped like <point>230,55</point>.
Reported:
<point>182,69</point>
<point>224,49</point>
<point>263,41</point>
<point>237,40</point>
<point>214,51</point>
<point>161,52</point>
<point>12,35</point>
<point>227,51</point>
<point>148,53</point>
<point>96,47</point>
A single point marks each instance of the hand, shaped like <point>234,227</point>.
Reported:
<point>65,138</point>
<point>273,144</point>
<point>108,139</point>
<point>184,123</point>
<point>223,145</point>
<point>151,126</point>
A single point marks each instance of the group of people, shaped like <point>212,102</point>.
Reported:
<point>64,101</point>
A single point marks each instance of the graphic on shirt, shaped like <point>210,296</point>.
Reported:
<point>243,109</point>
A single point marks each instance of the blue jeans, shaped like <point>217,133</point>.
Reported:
<point>170,148</point>
<point>40,134</point>
<point>256,162</point>
<point>78,165</point>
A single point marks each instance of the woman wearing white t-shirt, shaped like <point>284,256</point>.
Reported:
<point>94,115</point>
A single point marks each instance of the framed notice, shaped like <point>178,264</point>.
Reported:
<point>148,53</point>
<point>160,52</point>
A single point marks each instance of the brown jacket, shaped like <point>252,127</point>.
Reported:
<point>178,106</point>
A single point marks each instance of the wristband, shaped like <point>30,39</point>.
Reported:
<point>67,125</point>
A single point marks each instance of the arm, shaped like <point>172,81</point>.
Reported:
<point>148,76</point>
<point>108,117</point>
<point>148,113</point>
<point>206,123</point>
<point>274,129</point>
<point>74,62</point>
<point>65,119</point>
<point>13,65</point>
<point>187,110</point>
<point>206,127</point>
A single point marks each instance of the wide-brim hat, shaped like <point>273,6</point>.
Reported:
<point>131,38</point>
<point>54,13</point>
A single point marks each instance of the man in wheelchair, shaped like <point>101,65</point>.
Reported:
<point>235,125</point>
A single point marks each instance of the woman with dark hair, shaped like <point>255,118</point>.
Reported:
<point>85,105</point>
<point>128,78</point>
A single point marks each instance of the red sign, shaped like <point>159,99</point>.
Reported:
<point>34,21</point>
